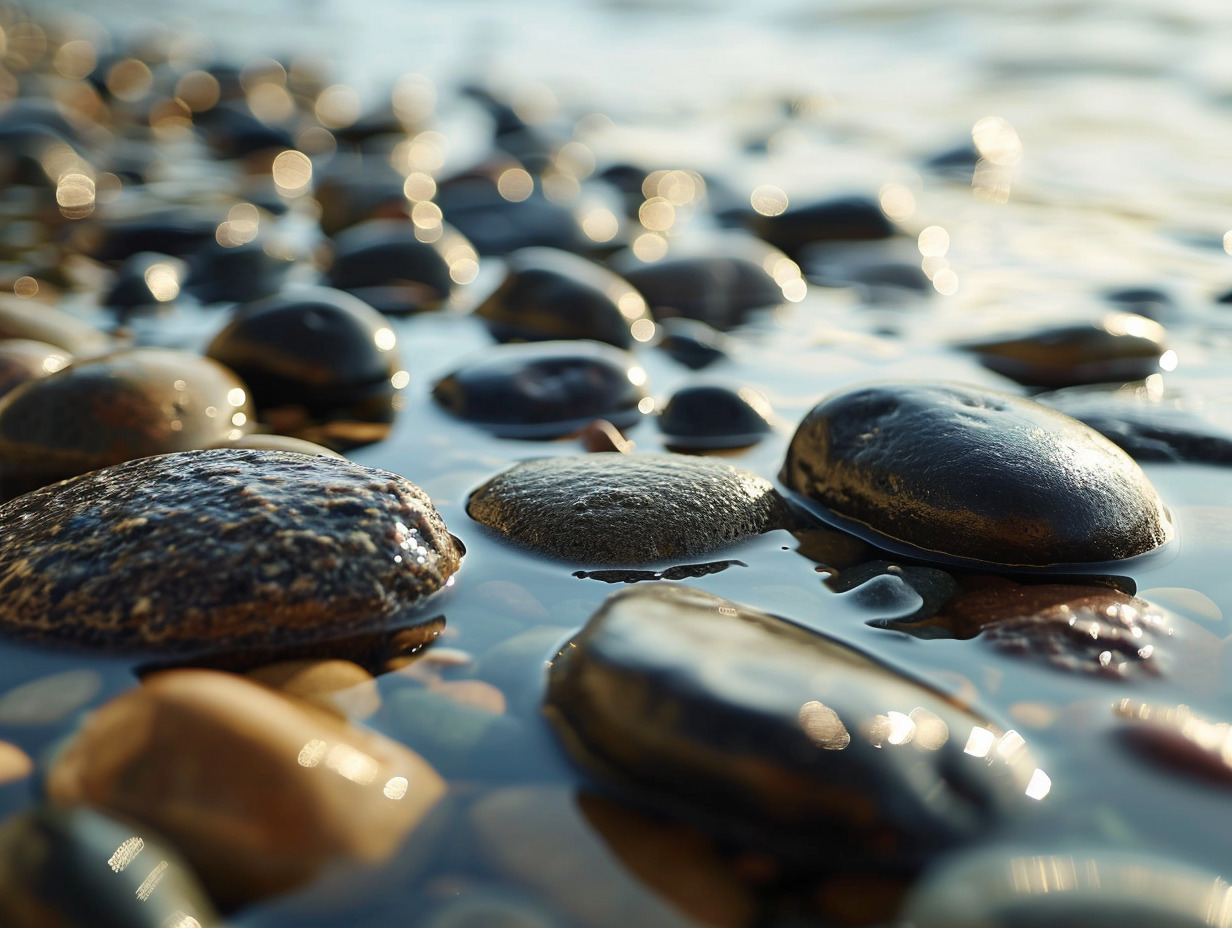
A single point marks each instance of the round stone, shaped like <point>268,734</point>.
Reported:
<point>28,320</point>
<point>208,551</point>
<point>711,416</point>
<point>952,472</point>
<point>626,509</point>
<point>101,411</point>
<point>23,359</point>
<point>778,735</point>
<point>384,263</point>
<point>545,389</point>
<point>552,294</point>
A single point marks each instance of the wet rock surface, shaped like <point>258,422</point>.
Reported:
<point>552,294</point>
<point>313,793</point>
<point>713,416</point>
<point>783,736</point>
<point>545,389</point>
<point>76,868</point>
<point>210,550</point>
<point>958,472</point>
<point>626,510</point>
<point>1119,347</point>
<point>125,405</point>
<point>383,262</point>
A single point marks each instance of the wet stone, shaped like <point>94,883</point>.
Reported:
<point>1148,427</point>
<point>778,736</point>
<point>1178,739</point>
<point>551,294</point>
<point>382,262</point>
<point>626,510</point>
<point>114,408</point>
<point>545,389</point>
<point>1099,887</point>
<point>29,320</point>
<point>351,189</point>
<point>955,473</point>
<point>195,754</point>
<point>693,343</point>
<point>79,868</point>
<point>235,272</point>
<point>23,359</point>
<point>1121,346</point>
<point>720,290</point>
<point>714,416</point>
<point>204,551</point>
<point>319,362</point>
<point>839,219</point>
<point>145,281</point>
<point>497,226</point>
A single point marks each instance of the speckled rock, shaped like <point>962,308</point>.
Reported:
<point>551,294</point>
<point>545,389</point>
<point>1121,346</point>
<point>260,794</point>
<point>947,471</point>
<point>626,509</point>
<point>77,868</point>
<point>128,404</point>
<point>201,551</point>
<point>1096,887</point>
<point>778,735</point>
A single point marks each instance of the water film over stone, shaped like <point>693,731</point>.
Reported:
<point>590,465</point>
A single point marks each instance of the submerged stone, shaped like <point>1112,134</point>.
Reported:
<point>1121,346</point>
<point>552,294</point>
<point>23,359</point>
<point>778,735</point>
<point>204,551</point>
<point>626,509</point>
<point>952,472</point>
<point>545,389</point>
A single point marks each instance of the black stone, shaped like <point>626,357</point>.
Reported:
<point>712,416</point>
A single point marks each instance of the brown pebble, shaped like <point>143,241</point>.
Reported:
<point>15,764</point>
<point>601,435</point>
<point>338,685</point>
<point>474,693</point>
<point>259,793</point>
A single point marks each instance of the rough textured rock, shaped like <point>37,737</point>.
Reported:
<point>625,510</point>
<point>947,471</point>
<point>779,735</point>
<point>205,550</point>
<point>259,794</point>
<point>545,389</point>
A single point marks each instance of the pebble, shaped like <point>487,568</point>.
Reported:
<point>607,866</point>
<point>1148,427</point>
<point>545,389</point>
<point>693,343</point>
<point>626,510</point>
<point>1078,885</point>
<point>1119,347</point>
<point>1179,739</point>
<point>15,764</point>
<point>499,227</point>
<point>321,364</point>
<point>208,551</point>
<point>79,868</point>
<point>384,263</point>
<point>146,282</point>
<point>955,473</point>
<point>23,359</point>
<point>549,294</point>
<point>600,436</point>
<point>259,794</point>
<point>335,684</point>
<point>237,272</point>
<point>714,416</point>
<point>849,218</point>
<point>777,735</point>
<point>30,320</point>
<point>102,411</point>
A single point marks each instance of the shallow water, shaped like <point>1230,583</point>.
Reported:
<point>1121,110</point>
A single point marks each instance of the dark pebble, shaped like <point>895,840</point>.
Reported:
<point>712,416</point>
<point>545,389</point>
<point>693,343</point>
<point>946,471</point>
<point>852,218</point>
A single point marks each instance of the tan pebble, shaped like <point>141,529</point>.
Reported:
<point>601,435</point>
<point>259,793</point>
<point>334,684</point>
<point>429,663</point>
<point>637,872</point>
<point>15,764</point>
<point>475,693</point>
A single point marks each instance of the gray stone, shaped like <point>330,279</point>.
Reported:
<point>624,510</point>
